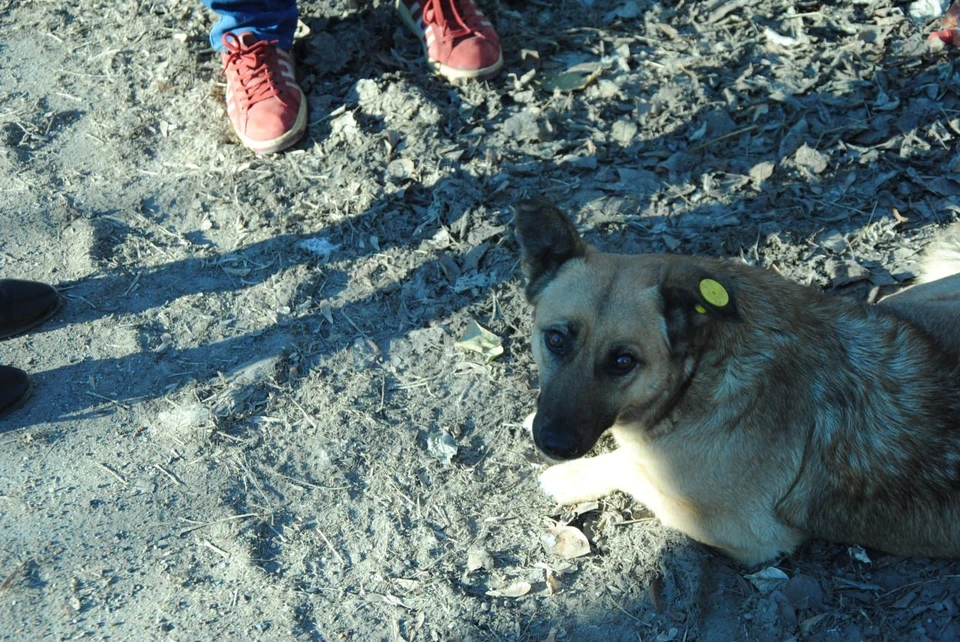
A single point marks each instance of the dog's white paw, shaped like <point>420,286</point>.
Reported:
<point>571,482</point>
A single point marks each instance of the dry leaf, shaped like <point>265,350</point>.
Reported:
<point>325,311</point>
<point>559,568</point>
<point>576,78</point>
<point>553,584</point>
<point>479,339</point>
<point>768,579</point>
<point>857,553</point>
<point>566,541</point>
<point>479,558</point>
<point>442,446</point>
<point>517,589</point>
<point>236,271</point>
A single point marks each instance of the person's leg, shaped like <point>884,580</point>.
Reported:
<point>265,104</point>
<point>14,389</point>
<point>23,304</point>
<point>265,19</point>
<point>458,40</point>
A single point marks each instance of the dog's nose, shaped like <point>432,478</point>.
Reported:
<point>559,445</point>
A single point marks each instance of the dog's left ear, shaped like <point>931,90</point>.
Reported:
<point>547,240</point>
<point>690,303</point>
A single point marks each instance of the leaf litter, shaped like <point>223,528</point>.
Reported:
<point>722,128</point>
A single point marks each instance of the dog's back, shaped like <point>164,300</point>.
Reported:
<point>896,469</point>
<point>934,303</point>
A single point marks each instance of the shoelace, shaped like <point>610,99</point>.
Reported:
<point>446,15</point>
<point>253,68</point>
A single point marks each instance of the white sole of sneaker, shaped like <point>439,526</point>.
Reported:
<point>448,72</point>
<point>286,141</point>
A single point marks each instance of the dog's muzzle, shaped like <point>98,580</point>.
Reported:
<point>558,445</point>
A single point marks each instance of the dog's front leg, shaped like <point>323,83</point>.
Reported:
<point>583,479</point>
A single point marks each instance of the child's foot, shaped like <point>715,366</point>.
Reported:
<point>265,104</point>
<point>458,39</point>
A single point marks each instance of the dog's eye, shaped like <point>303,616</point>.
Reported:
<point>623,363</point>
<point>555,341</point>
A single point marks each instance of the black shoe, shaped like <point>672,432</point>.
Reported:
<point>24,304</point>
<point>14,389</point>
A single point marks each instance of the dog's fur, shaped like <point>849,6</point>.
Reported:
<point>753,425</point>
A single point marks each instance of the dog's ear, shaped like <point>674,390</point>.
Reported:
<point>547,240</point>
<point>691,302</point>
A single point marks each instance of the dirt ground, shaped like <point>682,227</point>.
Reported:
<point>251,419</point>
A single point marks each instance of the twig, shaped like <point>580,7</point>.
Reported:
<point>198,526</point>
<point>169,474</point>
<point>355,326</point>
<point>136,280</point>
<point>330,546</point>
<point>114,473</point>
<point>213,547</point>
<point>736,132</point>
<point>105,398</point>
<point>918,583</point>
<point>295,480</point>
<point>305,415</point>
<point>7,583</point>
<point>629,615</point>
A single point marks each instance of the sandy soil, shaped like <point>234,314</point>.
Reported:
<point>251,418</point>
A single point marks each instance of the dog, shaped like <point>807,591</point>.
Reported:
<point>749,412</point>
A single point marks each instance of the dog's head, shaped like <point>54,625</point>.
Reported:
<point>615,337</point>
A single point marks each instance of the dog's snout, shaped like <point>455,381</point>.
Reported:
<point>559,445</point>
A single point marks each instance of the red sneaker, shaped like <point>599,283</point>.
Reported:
<point>458,39</point>
<point>264,102</point>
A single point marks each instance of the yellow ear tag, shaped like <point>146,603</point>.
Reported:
<point>714,293</point>
<point>699,308</point>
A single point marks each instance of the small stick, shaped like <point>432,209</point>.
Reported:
<point>213,547</point>
<point>217,521</point>
<point>305,415</point>
<point>330,546</point>
<point>295,480</point>
<point>136,280</point>
<point>114,473</point>
<point>169,474</point>
<point>105,398</point>
<point>7,583</point>
<point>737,132</point>
<point>355,326</point>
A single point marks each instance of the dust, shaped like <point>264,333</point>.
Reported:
<point>231,431</point>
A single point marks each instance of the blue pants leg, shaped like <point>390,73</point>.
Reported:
<point>269,20</point>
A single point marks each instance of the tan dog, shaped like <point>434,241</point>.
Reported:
<point>750,412</point>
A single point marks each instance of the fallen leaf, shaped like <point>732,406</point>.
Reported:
<point>655,591</point>
<point>567,542</point>
<point>845,272</point>
<point>576,78</point>
<point>769,579</point>
<point>762,171</point>
<point>553,584</point>
<point>559,568</point>
<point>833,240</point>
<point>442,446</point>
<point>325,311</point>
<point>808,625</point>
<point>517,589</point>
<point>478,558</point>
<point>585,507</point>
<point>236,271</point>
<point>857,553</point>
<point>479,339</point>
